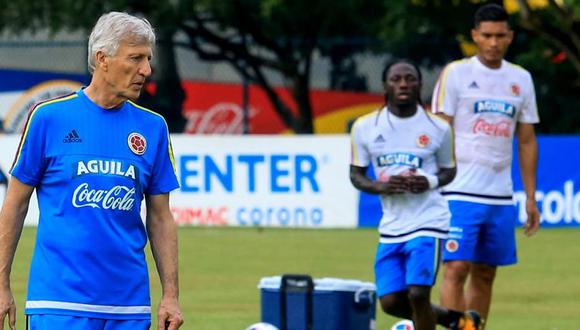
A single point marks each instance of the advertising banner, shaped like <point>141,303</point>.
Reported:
<point>208,107</point>
<point>20,90</point>
<point>558,185</point>
<point>215,108</point>
<point>303,181</point>
<point>278,181</point>
<point>558,192</point>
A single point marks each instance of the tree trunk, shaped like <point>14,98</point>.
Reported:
<point>303,124</point>
<point>170,95</point>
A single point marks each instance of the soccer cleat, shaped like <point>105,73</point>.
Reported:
<point>472,321</point>
<point>469,321</point>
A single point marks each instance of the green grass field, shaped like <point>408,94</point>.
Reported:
<point>221,267</point>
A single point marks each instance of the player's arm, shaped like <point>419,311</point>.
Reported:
<point>395,185</point>
<point>528,158</point>
<point>11,222</point>
<point>162,232</point>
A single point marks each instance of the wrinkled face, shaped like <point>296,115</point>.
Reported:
<point>492,40</point>
<point>126,71</point>
<point>402,85</point>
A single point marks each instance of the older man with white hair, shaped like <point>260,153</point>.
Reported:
<point>93,157</point>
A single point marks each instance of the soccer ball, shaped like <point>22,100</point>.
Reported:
<point>261,326</point>
<point>403,325</point>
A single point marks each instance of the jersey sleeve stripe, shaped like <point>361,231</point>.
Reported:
<point>353,149</point>
<point>169,146</point>
<point>440,88</point>
<point>31,114</point>
<point>355,126</point>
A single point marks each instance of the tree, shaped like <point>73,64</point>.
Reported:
<point>257,37</point>
<point>557,23</point>
<point>429,32</point>
<point>261,36</point>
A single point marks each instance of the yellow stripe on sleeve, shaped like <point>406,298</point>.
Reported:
<point>354,150</point>
<point>442,84</point>
<point>30,118</point>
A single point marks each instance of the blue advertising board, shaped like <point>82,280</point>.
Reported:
<point>557,192</point>
<point>21,80</point>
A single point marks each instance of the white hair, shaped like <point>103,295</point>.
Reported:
<point>114,28</point>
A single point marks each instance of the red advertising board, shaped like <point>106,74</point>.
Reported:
<point>215,108</point>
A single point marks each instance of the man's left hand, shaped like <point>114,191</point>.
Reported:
<point>533,223</point>
<point>418,184</point>
<point>169,315</point>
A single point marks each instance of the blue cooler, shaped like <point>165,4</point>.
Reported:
<point>295,302</point>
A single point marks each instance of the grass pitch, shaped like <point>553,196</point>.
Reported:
<point>221,267</point>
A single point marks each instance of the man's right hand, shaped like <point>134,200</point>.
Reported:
<point>7,307</point>
<point>396,184</point>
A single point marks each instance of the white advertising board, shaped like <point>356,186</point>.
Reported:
<point>268,181</point>
<point>8,146</point>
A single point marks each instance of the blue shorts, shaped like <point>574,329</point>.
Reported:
<point>482,234</point>
<point>53,322</point>
<point>399,265</point>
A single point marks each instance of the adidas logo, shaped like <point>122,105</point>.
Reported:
<point>380,139</point>
<point>473,85</point>
<point>72,137</point>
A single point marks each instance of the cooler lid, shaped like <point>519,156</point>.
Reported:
<point>322,284</point>
<point>337,284</point>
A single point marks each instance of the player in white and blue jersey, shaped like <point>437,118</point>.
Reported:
<point>411,153</point>
<point>93,158</point>
<point>488,100</point>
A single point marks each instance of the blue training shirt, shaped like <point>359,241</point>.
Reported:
<point>91,168</point>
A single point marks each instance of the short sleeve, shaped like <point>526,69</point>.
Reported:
<point>444,98</point>
<point>360,155</point>
<point>163,178</point>
<point>29,162</point>
<point>529,113</point>
<point>446,154</point>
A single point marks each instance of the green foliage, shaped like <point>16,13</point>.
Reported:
<point>557,86</point>
<point>427,31</point>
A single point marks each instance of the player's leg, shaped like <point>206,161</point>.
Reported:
<point>396,304</point>
<point>422,264</point>
<point>390,280</point>
<point>459,251</point>
<point>452,293</point>
<point>496,247</point>
<point>424,317</point>
<point>479,291</point>
<point>127,325</point>
<point>52,322</point>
